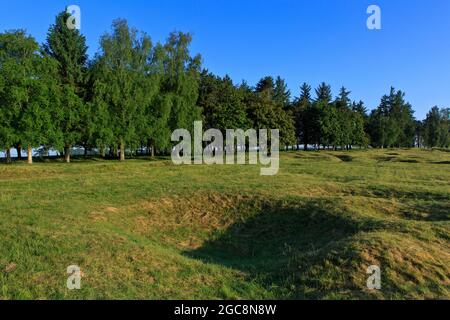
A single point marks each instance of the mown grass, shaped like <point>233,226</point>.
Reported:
<point>150,230</point>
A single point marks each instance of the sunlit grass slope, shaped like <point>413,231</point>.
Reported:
<point>150,230</point>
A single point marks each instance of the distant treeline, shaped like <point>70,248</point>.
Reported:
<point>134,93</point>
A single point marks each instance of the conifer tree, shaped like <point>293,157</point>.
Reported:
<point>68,48</point>
<point>302,115</point>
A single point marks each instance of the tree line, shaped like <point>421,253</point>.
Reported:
<point>134,93</point>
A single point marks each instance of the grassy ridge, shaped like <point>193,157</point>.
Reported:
<point>151,230</point>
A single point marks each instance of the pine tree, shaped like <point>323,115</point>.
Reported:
<point>302,115</point>
<point>321,128</point>
<point>343,100</point>
<point>344,125</point>
<point>68,48</point>
<point>392,124</point>
<point>266,86</point>
<point>281,93</point>
<point>323,93</point>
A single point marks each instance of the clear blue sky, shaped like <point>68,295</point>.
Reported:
<point>301,40</point>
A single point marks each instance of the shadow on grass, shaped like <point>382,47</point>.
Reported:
<point>422,205</point>
<point>429,212</point>
<point>408,161</point>
<point>441,162</point>
<point>86,159</point>
<point>344,157</point>
<point>387,192</point>
<point>297,250</point>
<point>384,158</point>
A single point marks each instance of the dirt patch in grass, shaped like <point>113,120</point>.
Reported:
<point>112,209</point>
<point>205,209</point>
<point>10,267</point>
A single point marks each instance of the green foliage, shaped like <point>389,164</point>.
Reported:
<point>436,128</point>
<point>281,93</point>
<point>303,115</point>
<point>180,81</point>
<point>121,83</point>
<point>222,102</point>
<point>16,50</point>
<point>68,48</point>
<point>329,123</point>
<point>27,93</point>
<point>268,111</point>
<point>153,126</point>
<point>392,123</point>
<point>323,93</point>
<point>135,94</point>
<point>101,129</point>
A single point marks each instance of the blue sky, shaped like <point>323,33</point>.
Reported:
<point>301,40</point>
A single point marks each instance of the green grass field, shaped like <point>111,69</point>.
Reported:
<point>150,230</point>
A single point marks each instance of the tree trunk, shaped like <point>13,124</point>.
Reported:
<point>8,156</point>
<point>19,152</point>
<point>153,149</point>
<point>67,153</point>
<point>122,151</point>
<point>30,154</point>
<point>148,147</point>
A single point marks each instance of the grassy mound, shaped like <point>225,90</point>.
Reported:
<point>151,230</point>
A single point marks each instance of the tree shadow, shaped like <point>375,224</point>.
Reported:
<point>295,249</point>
